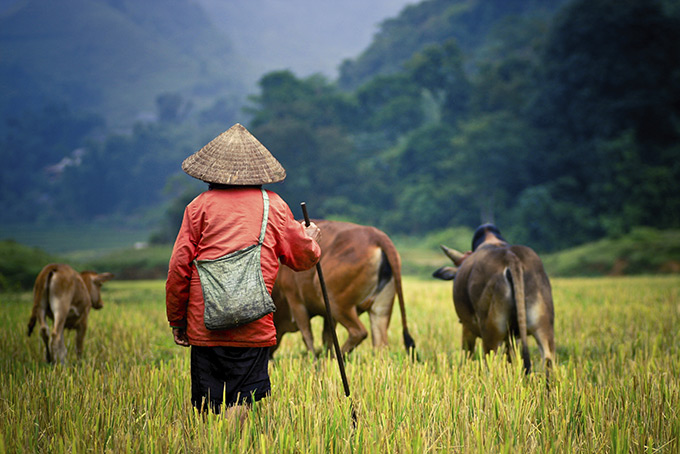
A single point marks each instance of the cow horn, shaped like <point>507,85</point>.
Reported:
<point>454,255</point>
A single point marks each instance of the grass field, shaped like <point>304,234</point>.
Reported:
<point>616,387</point>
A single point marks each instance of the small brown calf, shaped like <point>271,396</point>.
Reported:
<point>65,296</point>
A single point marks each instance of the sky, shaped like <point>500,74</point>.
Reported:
<point>305,36</point>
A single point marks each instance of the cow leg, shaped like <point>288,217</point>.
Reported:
<point>301,317</point>
<point>541,327</point>
<point>469,340</point>
<point>357,331</point>
<point>546,344</point>
<point>45,334</point>
<point>379,325</point>
<point>495,307</point>
<point>273,348</point>
<point>380,314</point>
<point>57,347</point>
<point>327,335</point>
<point>80,338</point>
<point>491,339</point>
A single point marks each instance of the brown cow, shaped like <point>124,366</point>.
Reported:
<point>65,296</point>
<point>362,271</point>
<point>499,291</point>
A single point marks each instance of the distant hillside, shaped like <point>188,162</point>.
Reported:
<point>642,251</point>
<point>433,22</point>
<point>112,57</point>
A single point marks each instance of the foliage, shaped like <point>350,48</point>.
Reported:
<point>439,70</point>
<point>548,127</point>
<point>420,256</point>
<point>434,22</point>
<point>596,86</point>
<point>608,109</point>
<point>149,262</point>
<point>36,148</point>
<point>552,119</point>
<point>20,265</point>
<point>615,387</point>
<point>302,122</point>
<point>642,251</point>
<point>63,169</point>
<point>167,229</point>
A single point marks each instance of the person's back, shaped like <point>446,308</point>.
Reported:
<point>221,221</point>
<point>230,217</point>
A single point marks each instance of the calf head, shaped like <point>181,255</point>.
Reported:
<point>94,282</point>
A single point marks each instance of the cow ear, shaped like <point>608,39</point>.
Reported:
<point>103,277</point>
<point>446,273</point>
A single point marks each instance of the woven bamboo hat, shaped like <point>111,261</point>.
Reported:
<point>234,157</point>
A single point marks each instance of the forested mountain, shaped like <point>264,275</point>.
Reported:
<point>468,22</point>
<point>112,57</point>
<point>558,120</point>
<point>102,99</point>
<point>560,128</point>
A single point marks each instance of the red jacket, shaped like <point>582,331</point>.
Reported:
<point>220,221</point>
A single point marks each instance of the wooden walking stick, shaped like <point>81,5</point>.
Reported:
<point>331,324</point>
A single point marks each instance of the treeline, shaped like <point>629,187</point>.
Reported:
<point>66,166</point>
<point>560,126</point>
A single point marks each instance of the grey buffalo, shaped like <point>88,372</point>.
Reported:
<point>500,291</point>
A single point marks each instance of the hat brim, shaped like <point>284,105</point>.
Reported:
<point>235,157</point>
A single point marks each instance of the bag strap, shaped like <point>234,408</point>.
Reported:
<point>265,215</point>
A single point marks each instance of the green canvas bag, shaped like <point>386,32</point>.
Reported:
<point>233,287</point>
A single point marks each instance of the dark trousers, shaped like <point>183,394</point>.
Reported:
<point>228,375</point>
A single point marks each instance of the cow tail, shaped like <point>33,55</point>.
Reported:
<point>517,281</point>
<point>41,291</point>
<point>395,263</point>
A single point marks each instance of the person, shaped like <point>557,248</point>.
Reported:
<point>229,367</point>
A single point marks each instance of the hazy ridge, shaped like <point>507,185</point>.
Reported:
<point>114,57</point>
<point>111,57</point>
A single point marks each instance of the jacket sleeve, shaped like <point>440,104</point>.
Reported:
<point>179,273</point>
<point>298,251</point>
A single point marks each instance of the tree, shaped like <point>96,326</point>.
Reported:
<point>224,112</point>
<point>440,70</point>
<point>422,180</point>
<point>609,106</point>
<point>182,192</point>
<point>390,105</point>
<point>38,146</point>
<point>302,122</point>
<point>494,154</point>
<point>612,66</point>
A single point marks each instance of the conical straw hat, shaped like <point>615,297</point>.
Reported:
<point>234,157</point>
